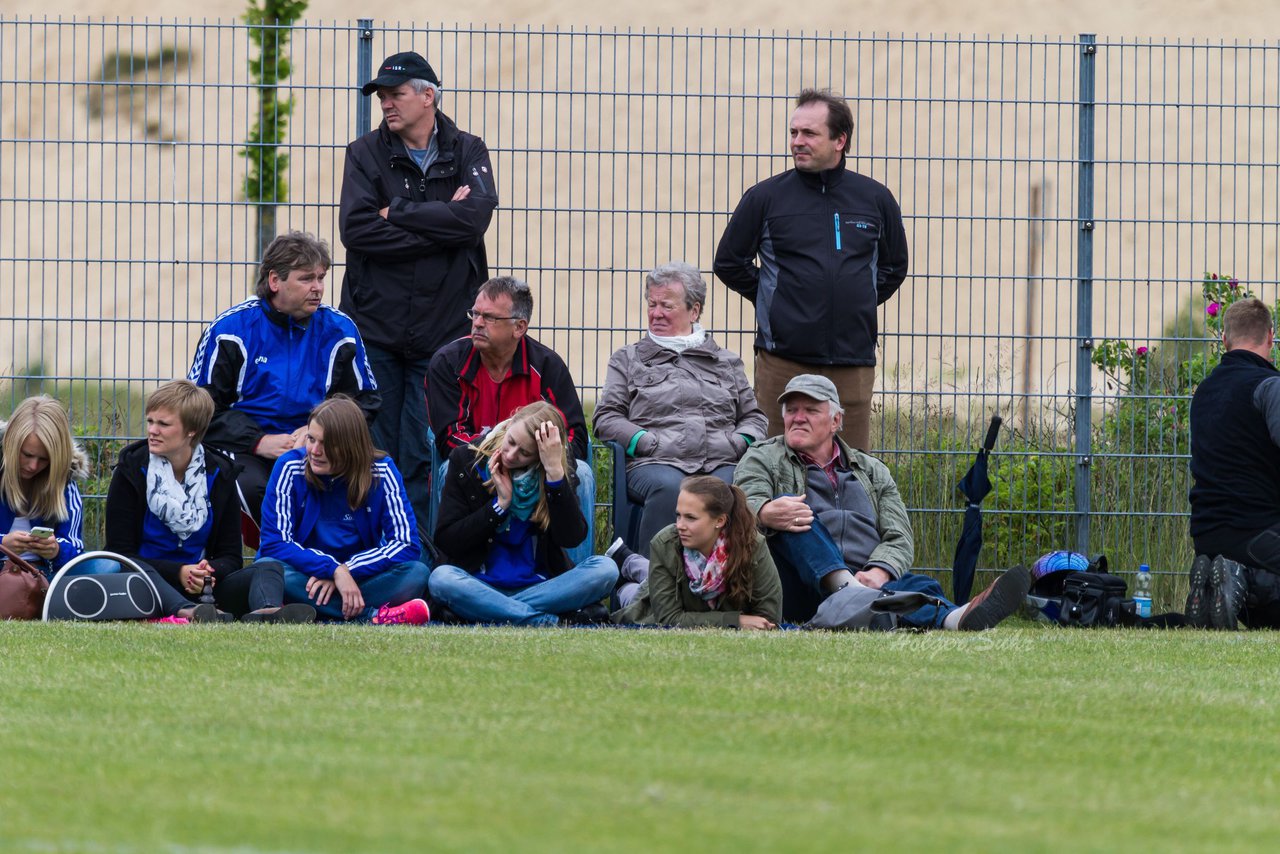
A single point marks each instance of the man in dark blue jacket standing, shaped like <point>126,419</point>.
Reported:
<point>816,250</point>
<point>1235,464</point>
<point>417,197</point>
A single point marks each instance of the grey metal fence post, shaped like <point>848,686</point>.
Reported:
<point>1084,293</point>
<point>364,73</point>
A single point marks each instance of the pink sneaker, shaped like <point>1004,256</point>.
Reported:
<point>414,612</point>
<point>171,621</point>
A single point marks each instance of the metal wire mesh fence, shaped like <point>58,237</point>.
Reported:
<point>1057,192</point>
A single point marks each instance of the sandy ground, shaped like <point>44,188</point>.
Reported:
<point>1161,19</point>
<point>121,231</point>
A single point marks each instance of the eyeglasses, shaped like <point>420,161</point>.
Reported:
<point>488,318</point>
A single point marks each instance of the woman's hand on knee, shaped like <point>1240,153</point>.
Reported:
<point>352,598</point>
<point>320,590</point>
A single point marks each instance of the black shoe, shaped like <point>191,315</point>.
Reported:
<point>440,613</point>
<point>618,552</point>
<point>594,614</point>
<point>1229,589</point>
<point>1005,595</point>
<point>207,613</point>
<point>295,612</point>
<point>902,603</point>
<point>1201,593</point>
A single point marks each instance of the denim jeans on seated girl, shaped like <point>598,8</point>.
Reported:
<point>535,605</point>
<point>393,586</point>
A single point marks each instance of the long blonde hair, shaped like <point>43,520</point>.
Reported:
<point>530,416</point>
<point>44,418</point>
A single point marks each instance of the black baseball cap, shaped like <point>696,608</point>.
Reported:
<point>398,68</point>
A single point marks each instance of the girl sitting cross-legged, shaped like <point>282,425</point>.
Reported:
<point>338,518</point>
<point>507,514</point>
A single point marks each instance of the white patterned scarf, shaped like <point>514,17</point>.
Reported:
<point>680,343</point>
<point>182,507</point>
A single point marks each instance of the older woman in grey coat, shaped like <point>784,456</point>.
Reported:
<point>676,400</point>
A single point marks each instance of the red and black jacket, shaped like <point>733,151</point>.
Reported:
<point>463,403</point>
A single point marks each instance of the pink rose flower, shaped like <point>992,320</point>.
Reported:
<point>1141,351</point>
<point>1233,283</point>
<point>1212,309</point>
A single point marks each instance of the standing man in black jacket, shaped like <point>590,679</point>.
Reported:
<point>831,248</point>
<point>417,197</point>
<point>1235,465</point>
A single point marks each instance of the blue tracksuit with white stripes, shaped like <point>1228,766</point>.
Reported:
<point>314,530</point>
<point>267,371</point>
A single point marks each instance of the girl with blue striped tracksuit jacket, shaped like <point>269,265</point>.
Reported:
<point>337,516</point>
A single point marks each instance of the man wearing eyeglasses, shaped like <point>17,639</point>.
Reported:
<point>418,195</point>
<point>477,381</point>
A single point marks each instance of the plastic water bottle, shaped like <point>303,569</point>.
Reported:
<point>1142,591</point>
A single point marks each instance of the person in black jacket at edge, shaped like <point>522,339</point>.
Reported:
<point>816,250</point>
<point>417,197</point>
<point>1235,466</point>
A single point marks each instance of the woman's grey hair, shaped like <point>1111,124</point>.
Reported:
<point>419,86</point>
<point>686,275</point>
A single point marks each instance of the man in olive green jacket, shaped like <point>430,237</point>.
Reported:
<point>834,519</point>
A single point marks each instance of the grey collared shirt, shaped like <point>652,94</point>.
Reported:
<point>424,157</point>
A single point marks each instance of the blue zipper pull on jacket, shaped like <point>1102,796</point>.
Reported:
<point>837,216</point>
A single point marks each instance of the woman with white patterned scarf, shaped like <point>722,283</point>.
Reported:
<point>173,506</point>
<point>676,401</point>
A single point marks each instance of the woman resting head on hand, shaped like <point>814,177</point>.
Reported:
<point>507,513</point>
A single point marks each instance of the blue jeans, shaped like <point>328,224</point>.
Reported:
<point>804,557</point>
<point>400,427</point>
<point>536,605</point>
<point>586,500</point>
<point>96,566</point>
<point>393,586</point>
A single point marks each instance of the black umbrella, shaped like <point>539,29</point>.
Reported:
<point>975,485</point>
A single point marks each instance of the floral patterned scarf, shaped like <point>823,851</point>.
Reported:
<point>706,574</point>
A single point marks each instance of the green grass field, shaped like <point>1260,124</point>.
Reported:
<point>131,737</point>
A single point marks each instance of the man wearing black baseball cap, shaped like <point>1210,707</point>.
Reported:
<point>417,197</point>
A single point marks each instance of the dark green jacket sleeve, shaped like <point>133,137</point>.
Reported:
<point>766,587</point>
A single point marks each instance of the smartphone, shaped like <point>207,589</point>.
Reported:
<point>41,533</point>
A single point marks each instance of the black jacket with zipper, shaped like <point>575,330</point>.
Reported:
<point>831,248</point>
<point>411,277</point>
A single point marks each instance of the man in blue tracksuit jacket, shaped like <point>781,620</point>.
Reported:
<point>269,360</point>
